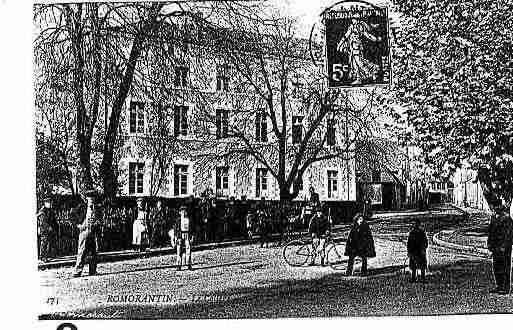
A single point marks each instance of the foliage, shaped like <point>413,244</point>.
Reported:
<point>455,74</point>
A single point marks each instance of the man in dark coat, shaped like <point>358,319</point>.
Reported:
<point>360,243</point>
<point>87,243</point>
<point>157,225</point>
<point>500,239</point>
<point>417,245</point>
<point>264,224</point>
<point>47,229</point>
<point>213,219</point>
<point>319,229</point>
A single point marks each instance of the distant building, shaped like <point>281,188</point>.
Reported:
<point>467,190</point>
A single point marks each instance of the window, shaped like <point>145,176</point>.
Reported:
<point>180,179</point>
<point>223,78</point>
<point>222,181</point>
<point>181,73</point>
<point>135,178</point>
<point>180,120</point>
<point>330,132</point>
<point>136,117</point>
<point>332,183</point>
<point>297,129</point>
<point>261,181</point>
<point>376,175</point>
<point>261,127</point>
<point>221,123</point>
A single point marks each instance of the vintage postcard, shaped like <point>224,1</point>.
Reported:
<point>272,160</point>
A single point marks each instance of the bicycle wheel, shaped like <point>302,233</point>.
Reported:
<point>296,253</point>
<point>336,258</point>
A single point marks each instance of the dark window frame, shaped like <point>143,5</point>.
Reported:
<point>135,178</point>
<point>180,179</point>
<point>181,120</point>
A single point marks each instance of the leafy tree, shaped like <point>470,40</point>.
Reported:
<point>455,74</point>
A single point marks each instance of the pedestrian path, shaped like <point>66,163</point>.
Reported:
<point>471,238</point>
<point>437,211</point>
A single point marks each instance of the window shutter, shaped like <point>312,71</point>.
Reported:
<point>218,123</point>
<point>185,126</point>
<point>257,127</point>
<point>177,120</point>
<point>218,178</point>
<point>133,117</point>
<point>176,182</point>
<point>225,123</point>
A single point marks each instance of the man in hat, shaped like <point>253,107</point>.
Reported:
<point>87,238</point>
<point>47,229</point>
<point>500,239</point>
<point>417,245</point>
<point>156,225</point>
<point>319,229</point>
<point>184,237</point>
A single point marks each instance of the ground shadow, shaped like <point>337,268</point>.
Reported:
<point>459,287</point>
<point>196,267</point>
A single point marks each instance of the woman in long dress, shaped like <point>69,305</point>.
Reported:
<point>139,227</point>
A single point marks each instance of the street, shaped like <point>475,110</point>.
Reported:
<point>254,282</point>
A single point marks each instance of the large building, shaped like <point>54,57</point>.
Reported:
<point>179,134</point>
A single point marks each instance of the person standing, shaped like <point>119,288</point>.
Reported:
<point>500,239</point>
<point>87,244</point>
<point>250,222</point>
<point>360,243</point>
<point>312,203</point>
<point>212,220</point>
<point>264,225</point>
<point>139,229</point>
<point>230,217</point>
<point>47,229</point>
<point>417,245</point>
<point>319,229</point>
<point>367,205</point>
<point>184,238</point>
<point>157,224</point>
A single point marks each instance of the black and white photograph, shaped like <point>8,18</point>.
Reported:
<point>278,160</point>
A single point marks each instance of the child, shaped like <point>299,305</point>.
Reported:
<point>417,245</point>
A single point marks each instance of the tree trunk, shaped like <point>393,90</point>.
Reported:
<point>106,169</point>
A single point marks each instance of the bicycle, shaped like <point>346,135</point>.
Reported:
<point>296,253</point>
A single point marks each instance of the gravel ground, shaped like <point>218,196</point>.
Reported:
<point>250,282</point>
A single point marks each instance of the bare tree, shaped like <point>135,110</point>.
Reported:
<point>95,48</point>
<point>274,81</point>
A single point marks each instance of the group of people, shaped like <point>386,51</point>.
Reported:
<point>200,222</point>
<point>360,243</point>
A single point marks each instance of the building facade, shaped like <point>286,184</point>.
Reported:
<point>179,140</point>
